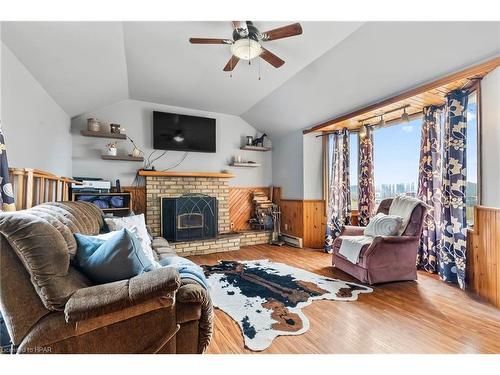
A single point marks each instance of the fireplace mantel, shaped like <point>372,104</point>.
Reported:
<point>185,174</point>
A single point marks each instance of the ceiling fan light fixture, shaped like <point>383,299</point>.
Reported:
<point>246,49</point>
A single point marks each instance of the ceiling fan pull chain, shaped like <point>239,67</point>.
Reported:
<point>259,70</point>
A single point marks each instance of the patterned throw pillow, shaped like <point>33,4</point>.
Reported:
<point>137,225</point>
<point>383,225</point>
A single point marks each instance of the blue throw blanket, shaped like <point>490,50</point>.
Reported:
<point>186,269</point>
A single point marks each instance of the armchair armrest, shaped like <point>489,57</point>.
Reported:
<point>99,300</point>
<point>351,230</point>
<point>392,250</point>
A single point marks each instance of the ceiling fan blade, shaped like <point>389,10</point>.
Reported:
<point>282,32</point>
<point>231,63</point>
<point>271,58</point>
<point>210,41</point>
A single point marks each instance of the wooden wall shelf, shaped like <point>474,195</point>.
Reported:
<point>244,165</point>
<point>185,174</point>
<point>122,158</point>
<point>87,133</point>
<point>255,148</point>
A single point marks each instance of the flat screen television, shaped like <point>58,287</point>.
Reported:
<point>172,131</point>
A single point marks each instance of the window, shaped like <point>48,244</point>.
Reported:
<point>396,160</point>
<point>471,197</point>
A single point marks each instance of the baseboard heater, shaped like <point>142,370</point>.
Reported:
<point>291,240</point>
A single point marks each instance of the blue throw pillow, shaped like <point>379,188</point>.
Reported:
<point>118,258</point>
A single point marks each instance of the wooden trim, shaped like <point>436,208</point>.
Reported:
<point>185,174</point>
<point>484,208</point>
<point>468,72</point>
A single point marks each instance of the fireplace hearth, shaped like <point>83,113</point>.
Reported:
<point>189,217</point>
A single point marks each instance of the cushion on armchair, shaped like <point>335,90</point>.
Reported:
<point>384,225</point>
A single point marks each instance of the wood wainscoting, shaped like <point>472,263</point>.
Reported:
<point>305,219</point>
<point>137,197</point>
<point>483,258</point>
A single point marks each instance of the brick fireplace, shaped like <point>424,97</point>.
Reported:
<point>173,185</point>
<point>177,184</point>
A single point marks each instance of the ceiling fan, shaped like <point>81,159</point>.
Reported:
<point>247,42</point>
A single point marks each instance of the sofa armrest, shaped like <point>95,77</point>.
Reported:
<point>99,300</point>
<point>192,292</point>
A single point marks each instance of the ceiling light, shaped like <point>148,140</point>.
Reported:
<point>405,117</point>
<point>246,49</point>
<point>382,121</point>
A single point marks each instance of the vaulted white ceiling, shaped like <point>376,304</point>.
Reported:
<point>332,68</point>
<point>80,64</point>
<point>86,65</point>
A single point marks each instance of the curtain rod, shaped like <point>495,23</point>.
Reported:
<point>384,113</point>
<point>392,122</point>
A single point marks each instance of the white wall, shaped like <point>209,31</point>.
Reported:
<point>298,166</point>
<point>490,128</point>
<point>313,166</point>
<point>36,129</point>
<point>136,117</point>
<point>288,165</point>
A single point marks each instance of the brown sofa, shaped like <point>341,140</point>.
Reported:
<point>387,258</point>
<point>50,307</point>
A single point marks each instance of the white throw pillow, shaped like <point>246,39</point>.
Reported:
<point>383,225</point>
<point>137,225</point>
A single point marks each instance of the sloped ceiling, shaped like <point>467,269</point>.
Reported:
<point>332,68</point>
<point>163,67</point>
<point>379,60</point>
<point>80,64</point>
<point>86,65</point>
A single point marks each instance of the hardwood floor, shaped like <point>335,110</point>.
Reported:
<point>426,316</point>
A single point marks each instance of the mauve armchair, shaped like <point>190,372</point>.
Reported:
<point>387,258</point>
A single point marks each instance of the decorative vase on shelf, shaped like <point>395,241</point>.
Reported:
<point>93,125</point>
<point>111,149</point>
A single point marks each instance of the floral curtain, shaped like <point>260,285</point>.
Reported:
<point>366,183</point>
<point>429,189</point>
<point>7,193</point>
<point>339,194</point>
<point>452,252</point>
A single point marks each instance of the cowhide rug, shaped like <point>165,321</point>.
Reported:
<point>265,298</point>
